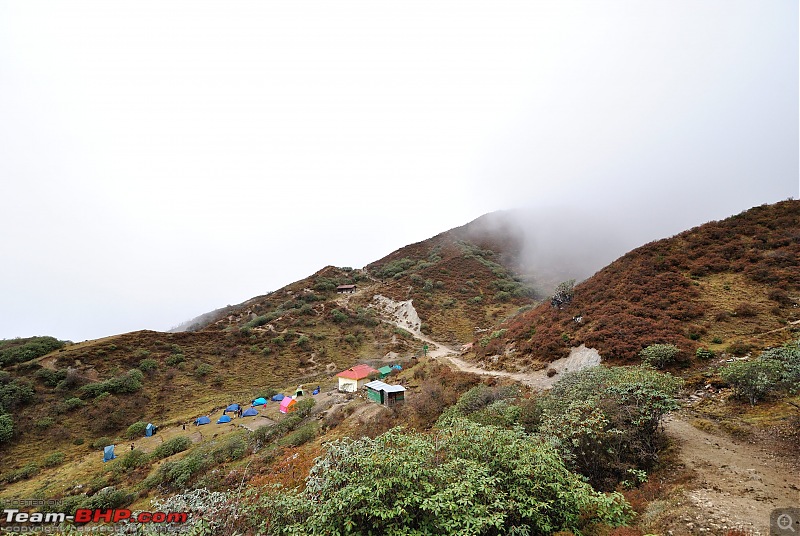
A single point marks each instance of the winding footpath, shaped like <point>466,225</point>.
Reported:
<point>736,483</point>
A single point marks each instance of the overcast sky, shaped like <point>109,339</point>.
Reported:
<point>162,159</point>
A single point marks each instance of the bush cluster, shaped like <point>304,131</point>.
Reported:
<point>659,355</point>
<point>605,420</point>
<point>129,382</point>
<point>774,371</point>
<point>170,447</point>
<point>22,350</point>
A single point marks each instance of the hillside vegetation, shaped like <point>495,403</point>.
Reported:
<point>465,454</point>
<point>69,398</point>
<point>731,285</point>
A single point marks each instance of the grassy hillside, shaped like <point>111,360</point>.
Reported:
<point>462,281</point>
<point>731,285</point>
<point>78,396</point>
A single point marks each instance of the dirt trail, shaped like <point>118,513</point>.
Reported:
<point>737,483</point>
<point>579,358</point>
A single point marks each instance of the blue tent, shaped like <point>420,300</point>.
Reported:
<point>277,398</point>
<point>397,367</point>
<point>202,420</point>
<point>249,412</point>
<point>232,407</point>
<point>259,401</point>
<point>150,430</point>
<point>108,453</point>
<point>315,391</point>
<point>223,419</point>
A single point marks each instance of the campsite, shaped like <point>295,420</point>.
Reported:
<point>258,412</point>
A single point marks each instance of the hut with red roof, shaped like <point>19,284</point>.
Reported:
<point>354,378</point>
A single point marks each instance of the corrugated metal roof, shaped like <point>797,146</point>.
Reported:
<point>378,385</point>
<point>358,372</point>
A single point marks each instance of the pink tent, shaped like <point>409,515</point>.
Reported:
<point>287,404</point>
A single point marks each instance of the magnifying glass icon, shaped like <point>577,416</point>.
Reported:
<point>785,522</point>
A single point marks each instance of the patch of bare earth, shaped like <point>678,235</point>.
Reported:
<point>737,484</point>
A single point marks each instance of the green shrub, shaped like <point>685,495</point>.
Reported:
<point>717,340</point>
<point>203,369</point>
<point>53,459</point>
<point>129,382</point>
<point>73,403</point>
<point>6,428</point>
<point>704,353</point>
<point>659,355</point>
<point>753,380</point>
<point>303,407</point>
<point>366,316</point>
<point>102,442</point>
<point>22,350</point>
<point>478,398</point>
<point>170,447</point>
<point>175,359</point>
<point>49,377</point>
<point>396,268</point>
<point>339,317</point>
<point>44,423</point>
<point>303,341</point>
<point>27,471</point>
<point>324,284</point>
<point>146,365</point>
<point>131,460</point>
<point>494,335</point>
<point>605,420</point>
<point>267,434</point>
<point>136,430</point>
<point>231,449</point>
<point>15,394</point>
<point>789,357</point>
<point>502,296</point>
<point>467,479</point>
<point>403,333</point>
<point>108,499</point>
<point>177,474</point>
<point>302,435</point>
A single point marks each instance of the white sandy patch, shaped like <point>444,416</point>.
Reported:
<point>400,313</point>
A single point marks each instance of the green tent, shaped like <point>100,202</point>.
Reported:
<point>385,371</point>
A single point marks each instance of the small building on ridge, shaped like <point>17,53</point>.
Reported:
<point>385,394</point>
<point>354,378</point>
